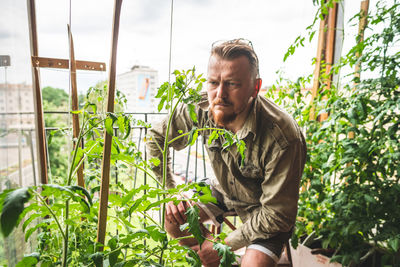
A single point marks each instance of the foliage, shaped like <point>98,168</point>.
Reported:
<point>55,99</point>
<point>65,215</point>
<point>350,188</point>
<point>56,96</point>
<point>98,95</point>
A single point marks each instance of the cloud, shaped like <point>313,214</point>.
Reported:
<point>4,34</point>
<point>145,27</point>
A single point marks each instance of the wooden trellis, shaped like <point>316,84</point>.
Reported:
<point>41,62</point>
<point>325,53</point>
<point>73,65</point>
<point>326,50</point>
<point>105,165</point>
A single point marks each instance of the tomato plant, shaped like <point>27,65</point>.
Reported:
<point>65,215</point>
<point>350,189</point>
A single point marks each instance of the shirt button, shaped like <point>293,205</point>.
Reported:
<point>233,198</point>
<point>231,182</point>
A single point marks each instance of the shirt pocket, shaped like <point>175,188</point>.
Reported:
<point>250,170</point>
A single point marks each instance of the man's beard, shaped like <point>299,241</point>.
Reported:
<point>219,117</point>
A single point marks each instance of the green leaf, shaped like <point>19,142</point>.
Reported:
<point>29,260</point>
<point>161,104</point>
<point>205,193</point>
<point>227,256</point>
<point>155,161</point>
<point>108,123</point>
<point>394,243</point>
<point>81,190</point>
<point>128,128</point>
<point>12,207</point>
<point>156,233</point>
<point>135,205</point>
<point>369,199</point>
<point>30,231</point>
<point>121,124</point>
<point>193,259</point>
<point>113,257</point>
<point>30,219</point>
<point>192,215</point>
<point>192,112</point>
<point>193,136</point>
<point>214,135</point>
<point>93,106</point>
<point>241,146</point>
<point>228,139</point>
<point>66,191</point>
<point>97,258</point>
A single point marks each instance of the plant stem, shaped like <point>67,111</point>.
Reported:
<point>151,219</point>
<point>51,212</point>
<point>83,158</point>
<point>153,254</point>
<point>75,153</point>
<point>201,129</point>
<point>142,169</point>
<point>65,253</point>
<point>81,135</point>
<point>71,171</point>
<point>165,152</point>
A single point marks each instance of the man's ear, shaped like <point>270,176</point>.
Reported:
<point>257,87</point>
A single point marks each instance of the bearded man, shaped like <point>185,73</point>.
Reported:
<point>264,190</point>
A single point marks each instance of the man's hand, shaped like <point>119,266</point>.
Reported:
<point>175,214</point>
<point>208,256</point>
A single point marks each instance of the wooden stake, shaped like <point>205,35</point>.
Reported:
<point>318,60</point>
<point>361,28</point>
<point>37,96</point>
<point>74,100</point>
<point>330,50</point>
<point>105,172</point>
<point>330,44</point>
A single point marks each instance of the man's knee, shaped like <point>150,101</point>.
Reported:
<point>256,258</point>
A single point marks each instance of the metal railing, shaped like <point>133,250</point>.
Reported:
<point>190,164</point>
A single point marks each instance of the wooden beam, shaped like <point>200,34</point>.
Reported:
<point>37,96</point>
<point>330,44</point>
<point>361,28</point>
<point>57,63</point>
<point>74,102</point>
<point>318,60</point>
<point>105,168</point>
<point>360,38</point>
<point>330,50</point>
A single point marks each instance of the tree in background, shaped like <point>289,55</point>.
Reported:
<point>55,96</point>
<point>56,99</point>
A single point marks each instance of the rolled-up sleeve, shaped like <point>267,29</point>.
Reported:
<point>180,123</point>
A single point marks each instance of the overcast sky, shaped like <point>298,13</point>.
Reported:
<point>144,35</point>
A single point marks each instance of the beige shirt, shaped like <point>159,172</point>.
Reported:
<point>265,190</point>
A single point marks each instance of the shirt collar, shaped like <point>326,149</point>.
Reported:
<point>250,124</point>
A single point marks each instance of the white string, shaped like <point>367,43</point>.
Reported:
<point>170,42</point>
<point>69,123</point>
<point>5,118</point>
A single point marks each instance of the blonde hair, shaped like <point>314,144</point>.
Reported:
<point>236,48</point>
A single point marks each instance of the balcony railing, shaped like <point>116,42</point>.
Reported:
<point>18,146</point>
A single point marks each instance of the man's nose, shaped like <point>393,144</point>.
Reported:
<point>221,91</point>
